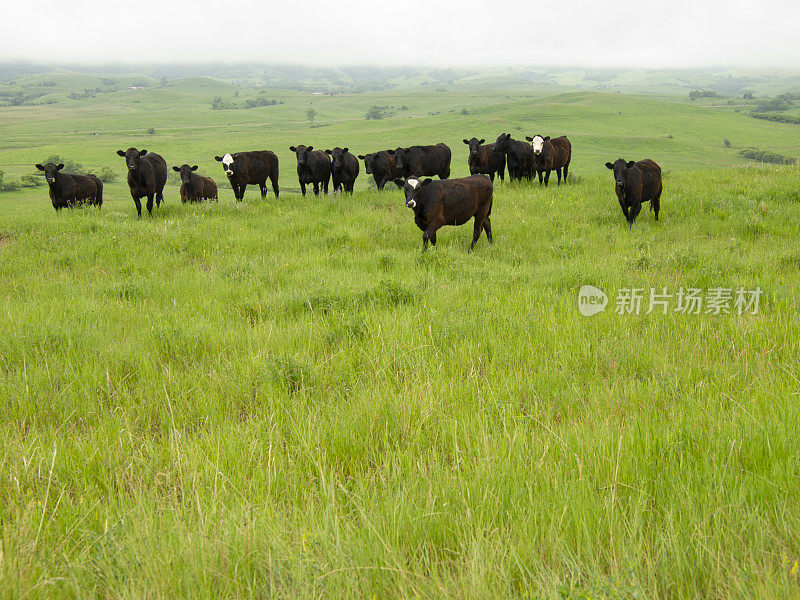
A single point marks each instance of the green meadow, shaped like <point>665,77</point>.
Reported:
<point>287,398</point>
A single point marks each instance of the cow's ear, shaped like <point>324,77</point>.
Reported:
<point>345,150</point>
<point>362,157</point>
<point>610,165</point>
<point>547,138</point>
<point>194,168</point>
<point>60,166</point>
<point>142,152</point>
<point>121,152</point>
<point>176,169</point>
<point>530,139</point>
<point>399,181</point>
<point>310,148</point>
<point>328,152</point>
<point>466,142</point>
<point>483,141</point>
<point>40,167</point>
<point>218,158</point>
<point>631,164</point>
<point>293,148</point>
<point>427,181</point>
<point>390,152</point>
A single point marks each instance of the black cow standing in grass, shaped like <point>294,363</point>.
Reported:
<point>194,187</point>
<point>68,191</point>
<point>424,160</point>
<point>254,167</point>
<point>551,155</point>
<point>314,167</point>
<point>635,183</point>
<point>449,202</point>
<point>147,174</point>
<point>344,169</point>
<point>519,156</point>
<point>485,159</point>
<point>382,166</point>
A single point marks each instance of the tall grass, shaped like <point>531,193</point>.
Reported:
<point>289,399</point>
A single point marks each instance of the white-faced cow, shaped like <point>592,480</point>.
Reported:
<point>313,167</point>
<point>245,168</point>
<point>194,187</point>
<point>68,191</point>
<point>485,159</point>
<point>147,174</point>
<point>344,169</point>
<point>382,166</point>
<point>449,202</point>
<point>551,155</point>
<point>424,160</point>
<point>635,183</point>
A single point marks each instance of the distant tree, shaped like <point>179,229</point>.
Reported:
<point>31,180</point>
<point>726,142</point>
<point>311,114</point>
<point>163,82</point>
<point>151,131</point>
<point>107,175</point>
<point>70,166</point>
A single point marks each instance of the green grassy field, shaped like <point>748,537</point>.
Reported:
<point>288,399</point>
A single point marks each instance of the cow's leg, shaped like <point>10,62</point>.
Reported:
<point>303,188</point>
<point>325,186</point>
<point>316,188</point>
<point>263,187</point>
<point>633,213</point>
<point>623,206</point>
<point>381,182</point>
<point>546,178</point>
<point>138,204</point>
<point>539,173</point>
<point>159,197</point>
<point>502,173</point>
<point>275,188</point>
<point>429,234</point>
<point>566,171</point>
<point>477,227</point>
<point>655,204</point>
<point>150,204</point>
<point>558,175</point>
<point>242,188</point>
<point>487,227</point>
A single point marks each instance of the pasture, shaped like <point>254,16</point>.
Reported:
<point>288,399</point>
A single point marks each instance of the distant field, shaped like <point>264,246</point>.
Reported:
<point>288,399</point>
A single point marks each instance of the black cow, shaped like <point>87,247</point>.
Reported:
<point>551,155</point>
<point>484,159</point>
<point>451,202</point>
<point>382,166</point>
<point>423,160</point>
<point>147,174</point>
<point>194,187</point>
<point>314,167</point>
<point>68,191</point>
<point>255,167</point>
<point>519,156</point>
<point>344,169</point>
<point>635,183</point>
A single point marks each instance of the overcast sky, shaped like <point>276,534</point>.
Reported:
<point>674,33</point>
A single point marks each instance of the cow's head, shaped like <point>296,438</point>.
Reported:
<point>186,172</point>
<point>368,160</point>
<point>132,156</point>
<point>503,143</point>
<point>412,187</point>
<point>537,143</point>
<point>337,154</point>
<point>399,156</point>
<point>227,163</point>
<point>50,171</point>
<point>620,168</point>
<point>474,144</point>
<point>302,153</point>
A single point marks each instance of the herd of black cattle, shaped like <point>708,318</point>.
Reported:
<point>435,203</point>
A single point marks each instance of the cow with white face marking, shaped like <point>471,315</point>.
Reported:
<point>243,168</point>
<point>449,202</point>
<point>313,167</point>
<point>550,155</point>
